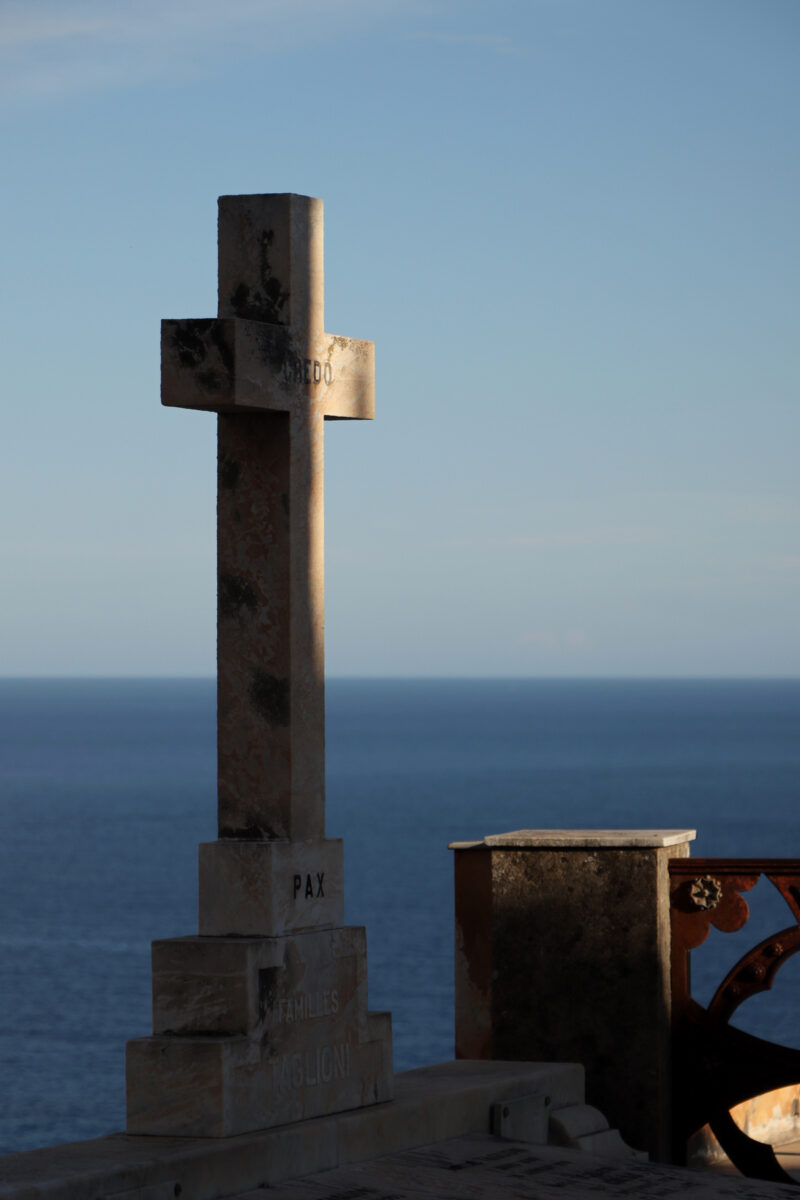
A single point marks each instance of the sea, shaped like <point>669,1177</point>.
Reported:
<point>108,785</point>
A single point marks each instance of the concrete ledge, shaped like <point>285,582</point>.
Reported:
<point>431,1104</point>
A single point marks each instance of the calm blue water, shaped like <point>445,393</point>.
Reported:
<point>106,787</point>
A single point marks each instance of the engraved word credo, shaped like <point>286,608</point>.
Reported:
<point>306,370</point>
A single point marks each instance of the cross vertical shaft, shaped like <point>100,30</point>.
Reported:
<point>270,606</point>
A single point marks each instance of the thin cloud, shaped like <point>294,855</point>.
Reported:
<point>49,48</point>
<point>491,41</point>
<point>784,562</point>
<point>568,539</point>
<point>623,536</point>
<point>24,27</point>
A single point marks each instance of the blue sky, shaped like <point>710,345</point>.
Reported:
<point>570,227</point>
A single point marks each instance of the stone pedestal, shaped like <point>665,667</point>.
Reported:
<point>562,955</point>
<point>262,1019</point>
<point>251,1032</point>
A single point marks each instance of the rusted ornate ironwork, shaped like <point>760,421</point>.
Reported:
<point>715,1065</point>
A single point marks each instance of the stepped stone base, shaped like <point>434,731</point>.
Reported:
<point>250,1033</point>
<point>218,1087</point>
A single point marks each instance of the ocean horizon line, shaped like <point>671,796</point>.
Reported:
<point>68,677</point>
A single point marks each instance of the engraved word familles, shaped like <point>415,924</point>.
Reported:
<point>304,1006</point>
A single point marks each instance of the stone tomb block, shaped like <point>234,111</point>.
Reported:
<point>263,889</point>
<point>255,1032</point>
<point>263,987</point>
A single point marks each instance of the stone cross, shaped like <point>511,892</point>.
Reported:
<point>273,375</point>
<point>262,1018</point>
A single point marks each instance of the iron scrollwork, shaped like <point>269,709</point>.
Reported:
<point>715,1065</point>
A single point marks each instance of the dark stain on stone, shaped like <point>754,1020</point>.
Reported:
<point>275,293</point>
<point>269,696</point>
<point>266,302</point>
<point>274,348</point>
<point>210,381</point>
<point>241,833</point>
<point>189,340</point>
<point>239,298</point>
<point>223,346</point>
<point>194,341</point>
<point>268,990</point>
<point>234,593</point>
<point>229,471</point>
<point>285,503</point>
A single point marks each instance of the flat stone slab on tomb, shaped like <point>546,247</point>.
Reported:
<point>483,1167</point>
<point>579,839</point>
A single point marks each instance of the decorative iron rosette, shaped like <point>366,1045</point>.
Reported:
<point>706,892</point>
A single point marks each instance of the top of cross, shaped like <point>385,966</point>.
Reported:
<point>264,277</point>
<point>267,348</point>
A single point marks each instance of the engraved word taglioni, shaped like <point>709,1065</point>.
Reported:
<point>294,1071</point>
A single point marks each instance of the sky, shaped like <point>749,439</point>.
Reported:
<point>570,228</point>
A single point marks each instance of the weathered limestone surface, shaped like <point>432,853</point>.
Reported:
<point>227,359</point>
<point>562,954</point>
<point>221,1086</point>
<point>268,367</point>
<point>269,888</point>
<point>263,1019</point>
<point>276,989</point>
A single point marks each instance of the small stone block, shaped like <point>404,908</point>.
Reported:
<point>523,1118</point>
<point>165,1086</point>
<point>270,988</point>
<point>608,1143</point>
<point>576,1121</point>
<point>267,889</point>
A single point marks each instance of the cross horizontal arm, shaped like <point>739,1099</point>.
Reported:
<point>229,364</point>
